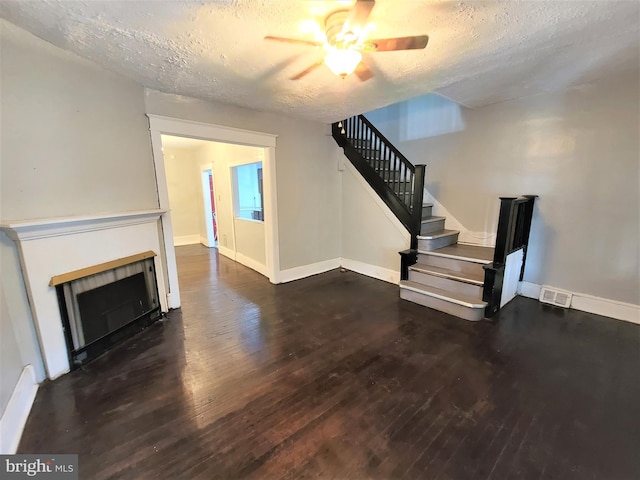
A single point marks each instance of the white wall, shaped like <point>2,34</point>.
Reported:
<point>185,194</point>
<point>17,320</point>
<point>10,360</point>
<point>578,150</point>
<point>249,236</point>
<point>75,138</point>
<point>75,141</point>
<point>308,183</point>
<point>371,234</point>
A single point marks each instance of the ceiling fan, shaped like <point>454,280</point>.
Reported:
<point>345,34</point>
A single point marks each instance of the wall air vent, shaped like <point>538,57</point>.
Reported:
<point>555,297</point>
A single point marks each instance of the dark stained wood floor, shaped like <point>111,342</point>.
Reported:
<point>335,377</point>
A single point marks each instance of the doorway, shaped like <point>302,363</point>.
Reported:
<point>231,138</point>
<point>209,207</point>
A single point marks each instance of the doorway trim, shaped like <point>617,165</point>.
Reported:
<point>206,170</point>
<point>160,125</point>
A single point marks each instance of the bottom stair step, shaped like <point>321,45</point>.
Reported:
<point>463,306</point>
<point>435,240</point>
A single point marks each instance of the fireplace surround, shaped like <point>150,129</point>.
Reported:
<point>104,304</point>
<point>52,247</point>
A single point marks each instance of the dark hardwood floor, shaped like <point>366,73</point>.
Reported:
<point>335,377</point>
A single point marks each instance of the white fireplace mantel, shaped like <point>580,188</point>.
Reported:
<point>54,246</point>
<point>22,230</point>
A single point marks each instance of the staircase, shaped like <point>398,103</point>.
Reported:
<point>447,276</point>
<point>437,272</point>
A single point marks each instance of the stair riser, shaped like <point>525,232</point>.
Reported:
<point>427,212</point>
<point>451,264</point>
<point>472,314</point>
<point>427,228</point>
<point>446,284</point>
<point>435,243</point>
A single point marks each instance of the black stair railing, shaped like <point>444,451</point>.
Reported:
<point>395,179</point>
<point>514,226</point>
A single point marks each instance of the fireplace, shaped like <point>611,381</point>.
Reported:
<point>47,248</point>
<point>104,304</point>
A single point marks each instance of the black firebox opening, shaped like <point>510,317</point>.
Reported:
<point>97,318</point>
<point>107,308</point>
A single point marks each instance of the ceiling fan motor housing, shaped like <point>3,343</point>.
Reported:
<point>334,30</point>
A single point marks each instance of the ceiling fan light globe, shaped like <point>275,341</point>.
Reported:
<point>342,62</point>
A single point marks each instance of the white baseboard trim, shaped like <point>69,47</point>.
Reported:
<point>171,303</point>
<point>296,273</point>
<point>243,260</point>
<point>591,304</point>
<point>374,271</point>
<point>227,252</point>
<point>529,290</point>
<point>251,263</point>
<point>186,240</point>
<point>15,415</point>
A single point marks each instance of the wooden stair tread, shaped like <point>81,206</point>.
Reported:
<point>432,219</point>
<point>457,298</point>
<point>438,234</point>
<point>465,277</point>
<point>469,253</point>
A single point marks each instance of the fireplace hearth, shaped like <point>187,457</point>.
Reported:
<point>104,304</point>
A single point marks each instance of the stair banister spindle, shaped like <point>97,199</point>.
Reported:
<point>386,157</point>
<point>369,145</point>
<point>383,166</point>
<point>404,192</point>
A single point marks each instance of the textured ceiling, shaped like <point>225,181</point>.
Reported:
<point>480,52</point>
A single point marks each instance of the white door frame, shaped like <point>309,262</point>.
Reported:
<point>206,201</point>
<point>160,125</point>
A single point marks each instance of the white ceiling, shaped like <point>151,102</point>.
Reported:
<point>480,52</point>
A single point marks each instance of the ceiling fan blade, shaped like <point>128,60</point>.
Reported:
<point>293,40</point>
<point>363,72</point>
<point>399,43</point>
<point>358,15</point>
<point>306,71</point>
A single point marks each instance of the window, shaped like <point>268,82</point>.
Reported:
<point>247,191</point>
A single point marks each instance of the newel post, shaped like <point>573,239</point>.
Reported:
<point>416,204</point>
<point>506,226</point>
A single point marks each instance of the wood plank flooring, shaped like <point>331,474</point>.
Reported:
<point>335,377</point>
